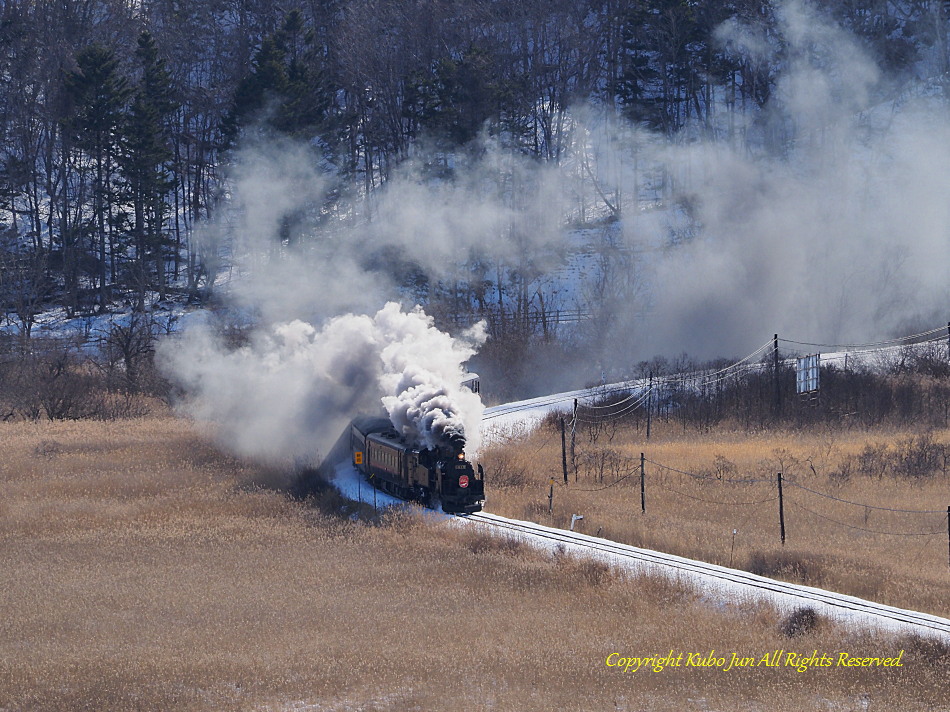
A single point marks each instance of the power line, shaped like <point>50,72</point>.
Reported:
<point>860,504</point>
<point>869,350</point>
<point>865,529</point>
<point>712,501</point>
<point>887,342</point>
<point>708,478</point>
<point>599,489</point>
<point>707,377</point>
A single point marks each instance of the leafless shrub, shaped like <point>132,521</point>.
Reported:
<point>930,359</point>
<point>919,456</point>
<point>800,622</point>
<point>785,565</point>
<point>915,457</point>
<point>722,469</point>
<point>604,463</point>
<point>934,652</point>
<point>61,379</point>
<point>784,461</point>
<point>127,351</point>
<point>842,473</point>
<point>873,460</point>
<point>51,381</point>
<point>503,469</point>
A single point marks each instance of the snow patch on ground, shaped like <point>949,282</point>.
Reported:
<point>352,485</point>
<point>518,418</point>
<point>717,591</point>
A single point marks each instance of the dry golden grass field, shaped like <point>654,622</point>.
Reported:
<point>141,569</point>
<point>845,538</point>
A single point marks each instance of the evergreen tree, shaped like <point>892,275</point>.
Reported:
<point>285,90</point>
<point>467,95</point>
<point>145,157</point>
<point>97,94</point>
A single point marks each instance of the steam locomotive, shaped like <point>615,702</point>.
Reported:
<point>430,477</point>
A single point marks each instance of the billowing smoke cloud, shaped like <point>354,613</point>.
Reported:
<point>290,392</point>
<point>822,216</point>
<point>825,218</point>
<point>422,375</point>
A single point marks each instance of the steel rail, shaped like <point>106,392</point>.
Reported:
<point>714,573</point>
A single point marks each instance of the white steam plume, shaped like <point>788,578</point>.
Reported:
<point>291,392</point>
<point>422,377</point>
<point>822,216</point>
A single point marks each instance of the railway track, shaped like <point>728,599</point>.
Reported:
<point>722,582</point>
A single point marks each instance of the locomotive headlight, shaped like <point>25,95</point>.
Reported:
<point>461,456</point>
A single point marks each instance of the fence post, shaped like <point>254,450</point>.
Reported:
<point>643,500</point>
<point>948,536</point>
<point>551,498</point>
<point>781,509</point>
<point>574,440</point>
<point>563,451</point>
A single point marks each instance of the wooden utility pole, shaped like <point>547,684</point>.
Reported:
<point>778,389</point>
<point>781,509</point>
<point>649,403</point>
<point>643,496</point>
<point>563,451</point>
<point>574,440</point>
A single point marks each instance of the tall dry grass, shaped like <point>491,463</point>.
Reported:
<point>143,570</point>
<point>899,558</point>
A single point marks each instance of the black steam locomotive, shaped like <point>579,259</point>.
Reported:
<point>430,477</point>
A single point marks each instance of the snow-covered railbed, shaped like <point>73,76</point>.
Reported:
<point>719,583</point>
<point>715,583</point>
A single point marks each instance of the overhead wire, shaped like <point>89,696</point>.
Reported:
<point>710,377</point>
<point>701,379</point>
<point>638,397</point>
<point>836,355</point>
<point>599,489</point>
<point>708,478</point>
<point>865,529</point>
<point>712,501</point>
<point>791,483</point>
<point>887,342</point>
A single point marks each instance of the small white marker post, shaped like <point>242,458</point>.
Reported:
<point>574,519</point>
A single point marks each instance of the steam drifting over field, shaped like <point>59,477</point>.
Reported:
<point>820,215</point>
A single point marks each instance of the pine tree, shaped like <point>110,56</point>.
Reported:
<point>98,95</point>
<point>145,157</point>
<point>285,90</point>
